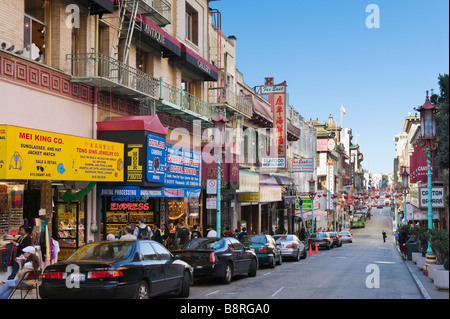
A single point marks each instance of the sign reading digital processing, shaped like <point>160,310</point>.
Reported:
<point>40,155</point>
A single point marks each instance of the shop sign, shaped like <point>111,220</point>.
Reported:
<point>248,198</point>
<point>135,191</point>
<point>322,145</point>
<point>270,194</point>
<point>273,89</point>
<point>273,163</point>
<point>248,182</point>
<point>437,197</point>
<point>40,155</point>
<point>183,167</point>
<point>156,159</point>
<point>415,213</point>
<point>302,165</point>
<point>279,127</point>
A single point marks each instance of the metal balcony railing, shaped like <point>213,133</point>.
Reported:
<point>223,96</point>
<point>159,11</point>
<point>104,71</point>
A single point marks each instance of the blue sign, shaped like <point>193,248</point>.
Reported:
<point>183,168</point>
<point>156,159</point>
<point>127,192</point>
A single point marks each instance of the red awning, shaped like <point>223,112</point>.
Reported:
<point>134,123</point>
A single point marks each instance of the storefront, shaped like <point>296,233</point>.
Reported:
<point>248,213</point>
<point>162,182</point>
<point>45,179</point>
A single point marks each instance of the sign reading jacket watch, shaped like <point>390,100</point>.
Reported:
<point>40,155</point>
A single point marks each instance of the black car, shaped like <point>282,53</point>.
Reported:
<point>117,269</point>
<point>220,258</point>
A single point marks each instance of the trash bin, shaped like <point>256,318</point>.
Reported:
<point>411,248</point>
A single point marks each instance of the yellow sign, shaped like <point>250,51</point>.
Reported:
<point>40,155</point>
<point>248,198</point>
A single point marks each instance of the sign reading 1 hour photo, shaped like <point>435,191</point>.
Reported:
<point>134,167</point>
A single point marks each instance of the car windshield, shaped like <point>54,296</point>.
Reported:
<point>332,234</point>
<point>283,237</point>
<point>357,217</point>
<point>344,233</point>
<point>107,251</point>
<point>211,244</point>
<point>254,239</point>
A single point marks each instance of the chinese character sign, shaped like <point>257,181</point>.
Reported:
<point>279,124</point>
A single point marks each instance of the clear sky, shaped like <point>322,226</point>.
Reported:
<point>328,56</point>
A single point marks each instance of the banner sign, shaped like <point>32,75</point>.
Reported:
<point>156,159</point>
<point>183,168</point>
<point>40,155</point>
<point>437,197</point>
<point>135,191</point>
<point>302,165</point>
<point>279,125</point>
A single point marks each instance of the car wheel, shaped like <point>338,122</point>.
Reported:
<point>328,246</point>
<point>304,253</point>
<point>272,262</point>
<point>298,257</point>
<point>142,291</point>
<point>226,279</point>
<point>280,260</point>
<point>185,286</point>
<point>253,268</point>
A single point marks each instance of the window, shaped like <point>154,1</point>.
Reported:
<point>191,26</point>
<point>148,253</point>
<point>162,252</point>
<point>34,31</point>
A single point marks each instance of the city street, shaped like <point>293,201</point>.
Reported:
<point>339,273</point>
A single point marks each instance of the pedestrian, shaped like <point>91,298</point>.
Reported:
<point>143,231</point>
<point>196,233</point>
<point>165,235</point>
<point>127,233</point>
<point>242,233</point>
<point>396,237</point>
<point>228,232</point>
<point>24,240</point>
<point>182,234</point>
<point>384,236</point>
<point>402,237</point>
<point>110,237</point>
<point>211,232</point>
<point>157,234</point>
<point>30,262</point>
<point>302,233</point>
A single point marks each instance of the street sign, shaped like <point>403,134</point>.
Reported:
<point>211,186</point>
<point>211,203</point>
<point>437,197</point>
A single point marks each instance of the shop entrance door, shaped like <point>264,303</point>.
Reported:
<point>66,221</point>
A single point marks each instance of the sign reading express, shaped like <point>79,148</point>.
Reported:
<point>38,155</point>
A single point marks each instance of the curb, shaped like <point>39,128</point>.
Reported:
<point>420,287</point>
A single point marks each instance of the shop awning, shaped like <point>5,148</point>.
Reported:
<point>198,65</point>
<point>270,193</point>
<point>101,6</point>
<point>248,182</point>
<point>149,123</point>
<point>283,180</point>
<point>135,191</point>
<point>317,212</point>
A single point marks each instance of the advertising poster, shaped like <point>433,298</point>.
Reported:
<point>183,168</point>
<point>156,159</point>
<point>40,155</point>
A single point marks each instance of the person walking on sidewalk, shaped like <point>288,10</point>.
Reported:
<point>384,236</point>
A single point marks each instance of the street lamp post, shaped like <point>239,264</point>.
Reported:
<point>219,142</point>
<point>429,146</point>
<point>312,194</point>
<point>405,181</point>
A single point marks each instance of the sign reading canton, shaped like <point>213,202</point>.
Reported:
<point>279,125</point>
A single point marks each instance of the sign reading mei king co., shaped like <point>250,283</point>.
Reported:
<point>38,155</point>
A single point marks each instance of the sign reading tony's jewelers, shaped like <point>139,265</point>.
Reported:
<point>40,155</point>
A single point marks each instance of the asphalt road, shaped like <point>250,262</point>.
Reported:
<point>368,268</point>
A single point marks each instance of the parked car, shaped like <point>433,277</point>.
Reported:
<point>321,239</point>
<point>218,258</point>
<point>336,240</point>
<point>346,236</point>
<point>291,246</point>
<point>117,269</point>
<point>265,247</point>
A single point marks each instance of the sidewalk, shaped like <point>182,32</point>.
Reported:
<point>425,285</point>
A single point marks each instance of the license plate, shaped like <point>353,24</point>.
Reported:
<point>77,277</point>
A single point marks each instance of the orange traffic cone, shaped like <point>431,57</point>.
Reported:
<point>310,250</point>
<point>317,249</point>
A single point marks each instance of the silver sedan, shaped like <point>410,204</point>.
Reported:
<point>346,236</point>
<point>291,246</point>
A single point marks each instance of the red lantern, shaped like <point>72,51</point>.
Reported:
<point>325,195</point>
